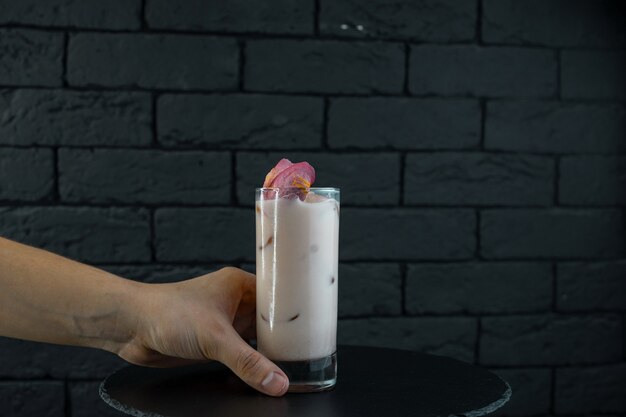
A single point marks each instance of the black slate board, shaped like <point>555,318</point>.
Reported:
<point>371,382</point>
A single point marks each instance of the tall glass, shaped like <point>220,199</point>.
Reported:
<point>297,238</point>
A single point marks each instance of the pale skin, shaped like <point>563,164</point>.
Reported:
<point>48,298</point>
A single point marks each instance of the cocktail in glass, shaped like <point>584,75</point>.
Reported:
<point>297,244</point>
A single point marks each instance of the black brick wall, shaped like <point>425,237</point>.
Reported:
<point>480,146</point>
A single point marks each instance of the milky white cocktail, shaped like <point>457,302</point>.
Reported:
<point>297,244</point>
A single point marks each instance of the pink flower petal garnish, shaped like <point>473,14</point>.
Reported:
<point>292,179</point>
<point>281,165</point>
<point>300,175</point>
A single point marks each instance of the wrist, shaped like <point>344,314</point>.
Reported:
<point>115,318</point>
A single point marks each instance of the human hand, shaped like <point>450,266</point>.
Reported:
<point>206,318</point>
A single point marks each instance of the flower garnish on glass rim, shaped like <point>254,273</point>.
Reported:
<point>286,175</point>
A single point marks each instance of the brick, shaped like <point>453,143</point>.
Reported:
<point>554,127</point>
<point>26,174</point>
<point>531,392</point>
<point>93,14</point>
<point>30,57</point>
<point>240,121</point>
<point>324,67</point>
<point>432,20</point>
<point>144,176</point>
<point>204,234</point>
<point>160,274</point>
<point>553,233</point>
<point>598,286</point>
<point>478,179</point>
<point>450,336</point>
<point>407,234</point>
<point>592,180</point>
<point>152,61</point>
<point>279,16</point>
<point>482,71</point>
<point>595,389</point>
<point>56,117</point>
<point>550,340</point>
<point>369,179</point>
<point>593,74</point>
<point>32,399</point>
<point>85,401</point>
<point>478,288</point>
<point>403,123</point>
<point>87,234</point>
<point>27,360</point>
<point>372,289</point>
<point>553,23</point>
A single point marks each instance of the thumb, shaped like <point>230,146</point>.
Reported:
<point>251,366</point>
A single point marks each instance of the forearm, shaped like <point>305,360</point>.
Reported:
<point>48,298</point>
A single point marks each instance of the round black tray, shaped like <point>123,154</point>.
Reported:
<point>371,382</point>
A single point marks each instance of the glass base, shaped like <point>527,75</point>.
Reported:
<point>311,376</point>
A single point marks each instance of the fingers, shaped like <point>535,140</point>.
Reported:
<point>247,280</point>
<point>252,367</point>
<point>248,364</point>
<point>238,289</point>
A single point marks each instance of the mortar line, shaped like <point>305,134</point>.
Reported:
<point>339,151</point>
<point>552,389</point>
<point>290,36</point>
<point>554,287</point>
<point>402,176</point>
<point>316,17</point>
<point>478,254</point>
<point>407,69</point>
<point>66,42</point>
<point>325,121</point>
<point>624,335</point>
<point>559,90</point>
<point>482,103</point>
<point>227,91</point>
<point>143,24</point>
<point>68,398</point>
<point>234,199</point>
<point>557,180</point>
<point>479,22</point>
<point>403,282</point>
<point>153,249</point>
<point>242,64</point>
<point>56,191</point>
<point>477,341</point>
<point>154,98</point>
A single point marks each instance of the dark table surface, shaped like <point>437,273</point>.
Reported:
<point>371,382</point>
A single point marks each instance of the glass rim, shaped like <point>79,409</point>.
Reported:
<point>298,188</point>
